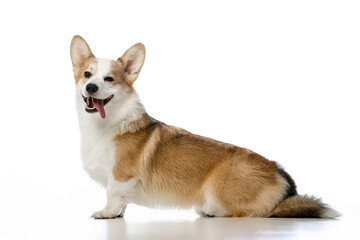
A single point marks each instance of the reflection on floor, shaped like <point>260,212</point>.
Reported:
<point>34,212</point>
<point>142,223</point>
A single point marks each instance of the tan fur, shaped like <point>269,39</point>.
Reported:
<point>174,163</point>
<point>79,71</point>
<point>133,60</point>
<point>117,73</point>
<point>86,60</point>
<point>300,206</point>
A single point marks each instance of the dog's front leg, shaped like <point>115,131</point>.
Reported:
<point>118,195</point>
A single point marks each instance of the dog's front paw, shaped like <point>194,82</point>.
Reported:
<point>105,214</point>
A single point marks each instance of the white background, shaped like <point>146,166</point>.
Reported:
<point>278,77</point>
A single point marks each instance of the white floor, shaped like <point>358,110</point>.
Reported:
<point>225,228</point>
<point>37,214</point>
<point>61,227</point>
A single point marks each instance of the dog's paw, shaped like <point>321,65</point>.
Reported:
<point>204,214</point>
<point>105,214</point>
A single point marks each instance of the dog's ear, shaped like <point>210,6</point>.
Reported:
<point>133,60</point>
<point>79,51</point>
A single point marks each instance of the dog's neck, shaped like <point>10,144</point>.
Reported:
<point>126,115</point>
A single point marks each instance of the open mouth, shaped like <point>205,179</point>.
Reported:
<point>96,105</point>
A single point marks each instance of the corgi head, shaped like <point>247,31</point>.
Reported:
<point>102,83</point>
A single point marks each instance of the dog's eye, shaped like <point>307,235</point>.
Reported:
<point>87,74</point>
<point>109,79</point>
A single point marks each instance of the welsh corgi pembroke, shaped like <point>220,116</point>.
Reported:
<point>141,160</point>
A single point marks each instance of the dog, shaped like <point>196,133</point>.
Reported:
<point>141,160</point>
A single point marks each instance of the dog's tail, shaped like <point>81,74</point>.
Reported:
<point>303,206</point>
<point>300,206</point>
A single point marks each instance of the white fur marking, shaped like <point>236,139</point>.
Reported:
<point>102,69</point>
<point>118,195</point>
<point>212,206</point>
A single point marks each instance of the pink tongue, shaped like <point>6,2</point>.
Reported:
<point>99,105</point>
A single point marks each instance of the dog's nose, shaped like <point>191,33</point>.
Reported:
<point>91,88</point>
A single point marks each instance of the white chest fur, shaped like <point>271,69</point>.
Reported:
<point>97,146</point>
<point>98,154</point>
